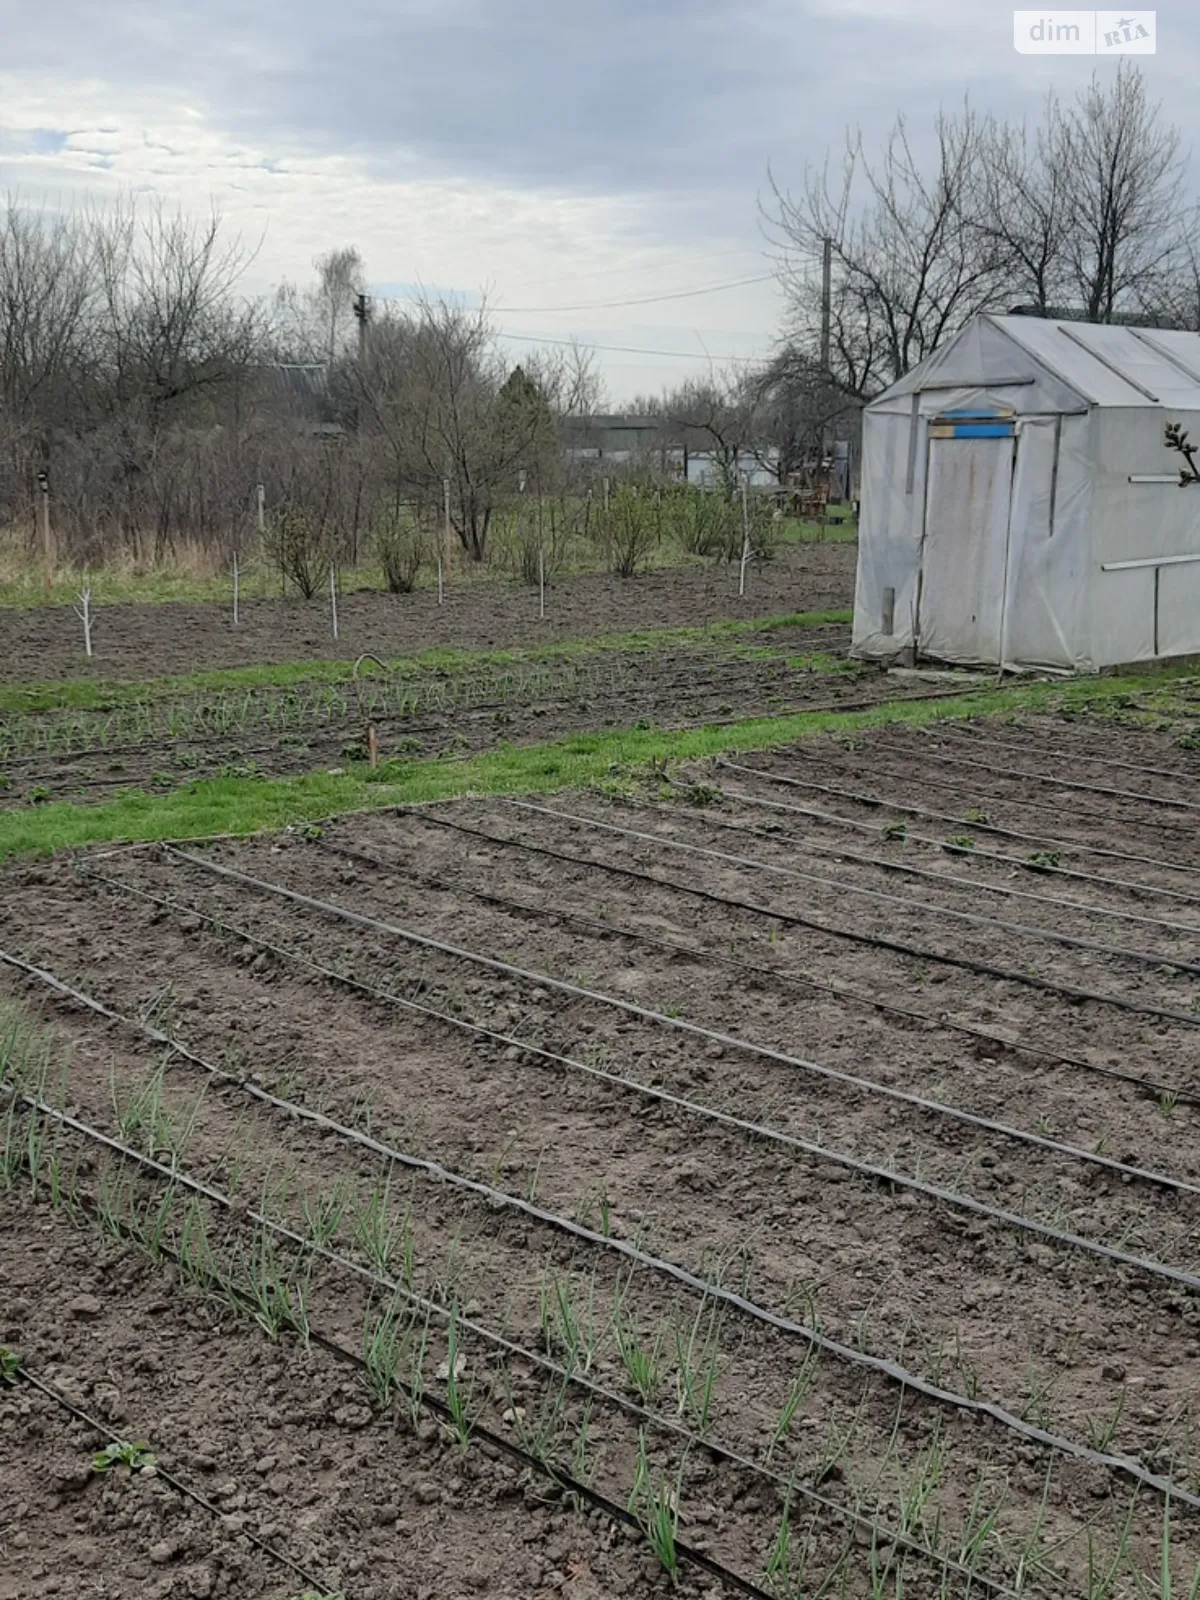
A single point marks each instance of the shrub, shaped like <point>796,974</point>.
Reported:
<point>298,548</point>
<point>630,527</point>
<point>400,547</point>
<point>702,523</point>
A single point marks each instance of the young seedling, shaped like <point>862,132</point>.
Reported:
<point>383,1344</point>
<point>696,1363</point>
<point>801,1385</point>
<point>643,1363</point>
<point>1043,860</point>
<point>323,1216</point>
<point>10,1367</point>
<point>138,1457</point>
<point>656,1506</point>
<point>457,1398</point>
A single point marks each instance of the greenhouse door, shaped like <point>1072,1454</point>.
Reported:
<point>964,549</point>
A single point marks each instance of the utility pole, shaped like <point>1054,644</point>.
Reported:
<point>826,324</point>
<point>362,315</point>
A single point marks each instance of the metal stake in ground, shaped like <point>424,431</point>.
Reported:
<point>83,610</point>
<point>541,583</point>
<point>235,589</point>
<point>333,598</point>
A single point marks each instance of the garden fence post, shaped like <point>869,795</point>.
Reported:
<point>333,598</point>
<point>43,479</point>
<point>745,537</point>
<point>443,540</point>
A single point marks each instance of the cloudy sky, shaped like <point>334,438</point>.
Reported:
<point>561,157</point>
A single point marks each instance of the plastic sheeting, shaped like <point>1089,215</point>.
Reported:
<point>1010,550</point>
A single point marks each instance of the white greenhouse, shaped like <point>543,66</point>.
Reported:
<point>1020,507</point>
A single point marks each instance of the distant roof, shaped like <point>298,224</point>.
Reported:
<point>1105,364</point>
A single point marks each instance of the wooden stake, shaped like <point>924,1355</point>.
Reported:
<point>745,538</point>
<point>443,540</point>
<point>44,517</point>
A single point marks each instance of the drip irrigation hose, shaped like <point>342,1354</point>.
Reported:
<point>1130,886</point>
<point>904,868</point>
<point>764,1052</point>
<point>1086,814</point>
<point>317,1585</point>
<point>711,1447</point>
<point>905,809</point>
<point>834,1074</point>
<point>439,1408</point>
<point>756,1130</point>
<point>783,978</point>
<point>1179,774</point>
<point>1123,1465</point>
<point>1058,783</point>
<point>873,940</point>
<point>844,887</point>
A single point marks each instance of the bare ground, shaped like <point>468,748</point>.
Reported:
<point>915,1090</point>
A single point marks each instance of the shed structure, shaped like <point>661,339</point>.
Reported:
<point>1020,506</point>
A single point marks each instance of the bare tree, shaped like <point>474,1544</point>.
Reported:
<point>1086,214</point>
<point>909,267</point>
<point>1129,221</point>
<point>435,387</point>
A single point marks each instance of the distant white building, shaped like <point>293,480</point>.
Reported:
<point>1019,503</point>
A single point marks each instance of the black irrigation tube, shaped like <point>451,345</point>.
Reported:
<point>1122,1002</point>
<point>878,1365</point>
<point>1086,814</point>
<point>905,869</point>
<point>784,978</point>
<point>844,887</point>
<point>909,810</point>
<point>807,1147</point>
<point>856,825</point>
<point>975,734</point>
<point>440,1409</point>
<point>499,1341</point>
<point>1057,783</point>
<point>795,919</point>
<point>317,1585</point>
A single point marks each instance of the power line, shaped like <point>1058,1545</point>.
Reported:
<point>644,300</point>
<point>642,267</point>
<point>625,349</point>
<point>588,344</point>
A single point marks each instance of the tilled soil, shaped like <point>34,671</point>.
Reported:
<point>734,1092</point>
<point>134,642</point>
<point>276,1438</point>
<point>93,756</point>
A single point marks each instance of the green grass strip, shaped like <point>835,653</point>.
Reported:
<point>251,805</point>
<point>87,694</point>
